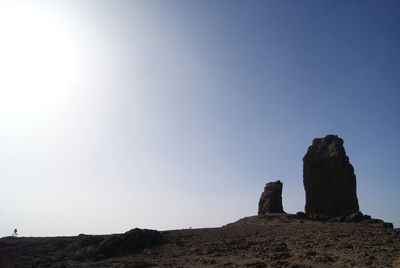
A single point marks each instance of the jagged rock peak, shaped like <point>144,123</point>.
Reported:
<point>325,148</point>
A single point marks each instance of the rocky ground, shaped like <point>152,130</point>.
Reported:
<point>276,240</point>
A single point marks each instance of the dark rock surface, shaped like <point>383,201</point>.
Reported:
<point>329,179</point>
<point>271,199</point>
<point>133,240</point>
<point>276,240</point>
<point>357,217</point>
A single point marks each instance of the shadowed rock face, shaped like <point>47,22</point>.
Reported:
<point>329,179</point>
<point>271,199</point>
<point>123,244</point>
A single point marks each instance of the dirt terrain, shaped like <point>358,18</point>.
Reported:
<point>274,241</point>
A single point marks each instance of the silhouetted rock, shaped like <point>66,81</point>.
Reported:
<point>271,199</point>
<point>388,225</point>
<point>329,179</point>
<point>301,215</point>
<point>133,240</point>
<point>358,217</point>
<point>89,240</point>
<point>355,217</point>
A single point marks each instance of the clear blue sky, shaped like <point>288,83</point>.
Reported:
<point>174,114</point>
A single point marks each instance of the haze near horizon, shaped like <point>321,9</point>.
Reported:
<point>168,115</point>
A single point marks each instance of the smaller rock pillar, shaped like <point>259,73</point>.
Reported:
<point>271,199</point>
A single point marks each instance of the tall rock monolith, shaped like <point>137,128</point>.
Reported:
<point>271,199</point>
<point>329,179</point>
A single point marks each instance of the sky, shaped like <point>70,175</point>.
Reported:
<point>174,114</point>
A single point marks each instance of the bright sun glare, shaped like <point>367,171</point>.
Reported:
<point>37,59</point>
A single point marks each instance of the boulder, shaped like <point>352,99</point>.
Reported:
<point>301,215</point>
<point>355,217</point>
<point>271,199</point>
<point>131,241</point>
<point>329,179</point>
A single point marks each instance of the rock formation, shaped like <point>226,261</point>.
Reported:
<point>131,241</point>
<point>271,199</point>
<point>329,179</point>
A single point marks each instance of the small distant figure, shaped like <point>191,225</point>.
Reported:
<point>15,233</point>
